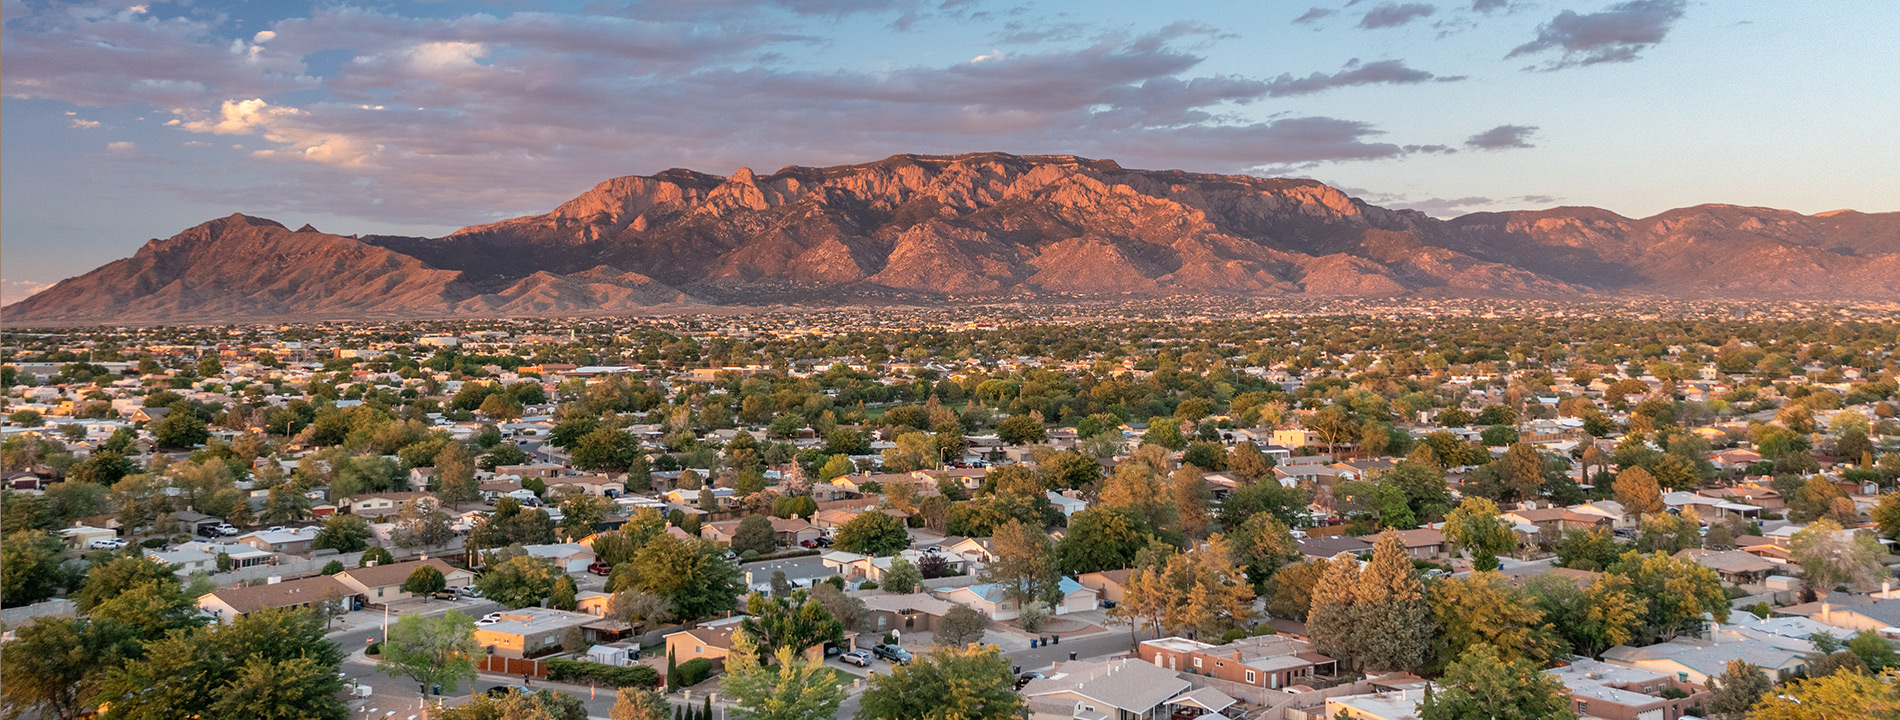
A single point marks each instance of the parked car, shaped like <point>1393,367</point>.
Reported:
<point>471,591</point>
<point>896,655</point>
<point>1024,679</point>
<point>1106,604</point>
<point>503,690</point>
<point>227,529</point>
<point>489,619</point>
<point>107,544</point>
<point>859,658</point>
<point>274,528</point>
<point>448,594</point>
<point>808,543</point>
<point>600,568</point>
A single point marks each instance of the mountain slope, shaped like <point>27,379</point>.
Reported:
<point>927,228</point>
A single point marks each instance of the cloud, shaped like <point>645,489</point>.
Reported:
<point>1486,6</point>
<point>1503,137</point>
<point>122,146</point>
<point>1314,15</point>
<point>1373,73</point>
<point>1442,207</point>
<point>1616,34</point>
<point>1385,15</point>
<point>12,291</point>
<point>85,124</point>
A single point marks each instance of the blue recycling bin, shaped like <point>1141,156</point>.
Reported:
<point>1032,643</point>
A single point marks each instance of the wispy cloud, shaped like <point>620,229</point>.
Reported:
<point>1387,14</point>
<point>1616,34</point>
<point>1503,137</point>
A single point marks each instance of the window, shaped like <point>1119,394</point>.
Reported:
<point>1252,678</point>
<point>1197,662</point>
<point>1582,707</point>
<point>699,649</point>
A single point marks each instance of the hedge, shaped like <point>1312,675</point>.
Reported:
<point>781,555</point>
<point>695,671</point>
<point>640,676</point>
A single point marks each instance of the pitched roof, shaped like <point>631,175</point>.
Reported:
<point>251,599</point>
<point>395,573</point>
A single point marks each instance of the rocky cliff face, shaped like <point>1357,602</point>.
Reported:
<point>933,227</point>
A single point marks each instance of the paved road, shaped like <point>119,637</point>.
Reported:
<point>1113,642</point>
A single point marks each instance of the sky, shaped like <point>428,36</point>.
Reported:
<point>121,122</point>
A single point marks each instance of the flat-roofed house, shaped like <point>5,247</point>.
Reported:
<point>382,584</point>
<point>1268,661</point>
<point>230,603</point>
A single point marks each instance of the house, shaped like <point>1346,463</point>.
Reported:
<point>854,567</point>
<point>975,551</point>
<point>719,533</point>
<point>1423,543</point>
<point>1613,692</point>
<point>596,485</point>
<point>293,541</point>
<point>1067,502</point>
<point>1397,703</point>
<point>382,584</point>
<point>1853,613</point>
<point>421,478</point>
<point>792,531</point>
<point>1736,567</point>
<point>521,472</point>
<point>1709,508</point>
<point>911,612</point>
<point>230,603</point>
<point>1119,689</point>
<point>195,523</point>
<point>494,490</point>
<point>377,504</point>
<point>993,601</point>
<point>1324,548</point>
<point>81,537</point>
<point>528,631</point>
<point>1295,438</point>
<point>712,640</point>
<point>1692,660</point>
<point>184,561</point>
<point>569,557</point>
<point>1267,661</point>
<point>1109,585</point>
<point>1619,518</point>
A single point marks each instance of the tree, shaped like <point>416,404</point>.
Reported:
<point>960,626</point>
<point>455,475</point>
<point>1833,697</point>
<point>1482,685</point>
<point>793,688</point>
<point>1886,514</point>
<point>797,622</point>
<point>691,575</point>
<point>902,578</point>
<point>425,581</point>
<point>342,533</point>
<point>284,504</point>
<point>1522,471</point>
<point>1484,608</point>
<point>32,567</point>
<point>115,578</point>
<point>1290,591</point>
<point>755,533</point>
<point>1020,430</point>
<point>1099,539</point>
<point>1392,618</point>
<point>848,610</point>
<point>180,428</point>
<point>519,581</point>
<point>52,666</point>
<point>432,650</point>
<point>375,556</point>
<point>1246,460</point>
<point>333,567</point>
<point>562,596</point>
<point>422,523</point>
<point>1637,490</point>
<point>1740,686</point>
<point>1024,563</point>
<point>1873,650</point>
<point>1676,593</point>
<point>949,683</point>
<point>1831,556</point>
<point>581,514</point>
<point>637,704</point>
<point>872,533</point>
<point>1474,527</point>
<point>1165,433</point>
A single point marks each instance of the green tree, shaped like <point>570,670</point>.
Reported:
<point>637,704</point>
<point>32,567</point>
<point>796,622</point>
<point>691,575</point>
<point>902,578</point>
<point>1482,685</point>
<point>455,475</point>
<point>562,596</point>
<point>872,533</point>
<point>519,581</point>
<point>1475,527</point>
<point>375,555</point>
<point>432,650</point>
<point>180,428</point>
<point>1024,563</point>
<point>1832,557</point>
<point>1485,608</point>
<point>1165,433</point>
<point>755,533</point>
<point>1740,686</point>
<point>425,581</point>
<point>949,683</point>
<point>793,688</point>
<point>1638,492</point>
<point>1246,460</point>
<point>1100,539</point>
<point>51,668</point>
<point>960,626</point>
<point>1392,617</point>
<point>1676,593</point>
<point>1020,430</point>
<point>342,533</point>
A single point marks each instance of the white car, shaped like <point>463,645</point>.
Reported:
<point>489,619</point>
<point>274,528</point>
<point>107,544</point>
<point>227,529</point>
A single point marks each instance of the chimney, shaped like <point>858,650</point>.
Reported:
<point>1824,610</point>
<point>1236,655</point>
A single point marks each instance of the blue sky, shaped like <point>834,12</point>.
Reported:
<point>122,121</point>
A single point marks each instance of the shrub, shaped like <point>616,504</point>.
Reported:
<point>640,676</point>
<point>375,649</point>
<point>695,671</point>
<point>868,585</point>
<point>153,543</point>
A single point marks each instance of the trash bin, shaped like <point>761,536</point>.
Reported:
<point>1055,639</point>
<point>1032,643</point>
<point>438,690</point>
<point>1071,655</point>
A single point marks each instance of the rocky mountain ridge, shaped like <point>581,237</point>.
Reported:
<point>930,228</point>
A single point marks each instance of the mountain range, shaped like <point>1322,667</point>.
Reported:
<point>924,229</point>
